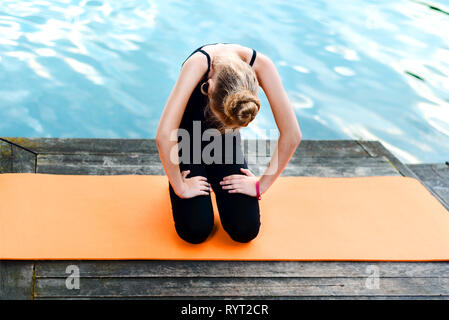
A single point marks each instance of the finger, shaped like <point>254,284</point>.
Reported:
<point>204,193</point>
<point>235,191</point>
<point>234,183</point>
<point>204,188</point>
<point>231,180</point>
<point>205,183</point>
<point>185,173</point>
<point>247,172</point>
<point>232,176</point>
<point>201,178</point>
<point>228,187</point>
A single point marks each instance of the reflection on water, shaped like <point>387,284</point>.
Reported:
<point>78,68</point>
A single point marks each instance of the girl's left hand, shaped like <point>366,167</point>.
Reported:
<point>241,183</point>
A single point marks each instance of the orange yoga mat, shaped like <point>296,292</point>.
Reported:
<point>389,218</point>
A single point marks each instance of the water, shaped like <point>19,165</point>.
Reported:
<point>104,69</point>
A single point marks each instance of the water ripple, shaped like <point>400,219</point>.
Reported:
<point>92,68</point>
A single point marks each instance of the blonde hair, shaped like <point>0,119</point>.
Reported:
<point>234,97</point>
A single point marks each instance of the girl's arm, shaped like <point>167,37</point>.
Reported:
<point>289,139</point>
<point>191,73</point>
<point>284,116</point>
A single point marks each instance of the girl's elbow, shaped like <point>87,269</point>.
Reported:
<point>296,138</point>
<point>293,140</point>
<point>299,137</point>
<point>158,137</point>
<point>161,137</point>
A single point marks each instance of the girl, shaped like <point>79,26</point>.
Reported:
<point>217,89</point>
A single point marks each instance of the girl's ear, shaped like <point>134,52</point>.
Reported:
<point>204,88</point>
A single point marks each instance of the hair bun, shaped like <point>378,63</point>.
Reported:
<point>241,107</point>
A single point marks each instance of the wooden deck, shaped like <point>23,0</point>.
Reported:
<point>220,279</point>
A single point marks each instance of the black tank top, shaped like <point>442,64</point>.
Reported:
<point>253,58</point>
<point>198,101</point>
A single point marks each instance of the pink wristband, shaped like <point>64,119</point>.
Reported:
<point>257,190</point>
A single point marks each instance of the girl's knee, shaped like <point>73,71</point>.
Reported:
<point>244,233</point>
<point>194,233</point>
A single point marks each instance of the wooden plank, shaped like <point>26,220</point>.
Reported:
<point>310,148</point>
<point>139,163</point>
<point>250,269</point>
<point>241,287</point>
<point>23,161</point>
<point>331,167</point>
<point>16,280</point>
<point>436,174</point>
<point>442,169</point>
<point>5,157</point>
<point>94,145</point>
<point>376,149</point>
<point>425,172</point>
<point>330,148</point>
<point>436,179</point>
<point>14,158</point>
<point>100,164</point>
<point>443,193</point>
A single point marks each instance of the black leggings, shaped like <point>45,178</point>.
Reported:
<point>239,213</point>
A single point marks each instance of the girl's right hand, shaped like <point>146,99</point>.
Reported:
<point>194,186</point>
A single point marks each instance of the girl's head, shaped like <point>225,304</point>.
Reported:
<point>232,92</point>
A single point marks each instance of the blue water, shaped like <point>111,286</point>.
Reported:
<point>352,70</point>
